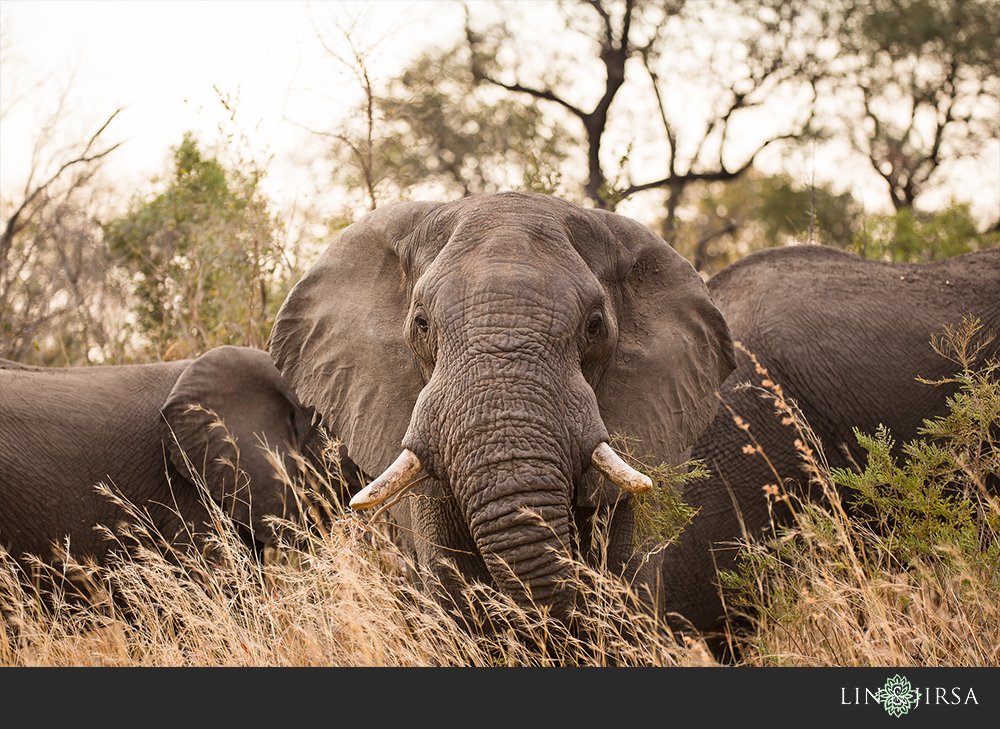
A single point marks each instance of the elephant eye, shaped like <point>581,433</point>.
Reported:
<point>595,325</point>
<point>421,321</point>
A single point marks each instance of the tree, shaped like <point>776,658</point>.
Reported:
<point>498,109</point>
<point>59,299</point>
<point>209,266</point>
<point>610,37</point>
<point>608,101</point>
<point>742,58</point>
<point>433,128</point>
<point>448,131</point>
<point>927,74</point>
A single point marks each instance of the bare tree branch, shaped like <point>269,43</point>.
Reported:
<point>12,226</point>
<point>615,51</point>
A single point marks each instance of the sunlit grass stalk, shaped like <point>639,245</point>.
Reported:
<point>835,588</point>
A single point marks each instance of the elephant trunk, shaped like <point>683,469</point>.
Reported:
<point>510,442</point>
<point>521,521</point>
<point>518,511</point>
<point>523,533</point>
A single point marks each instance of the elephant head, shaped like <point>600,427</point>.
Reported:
<point>215,418</point>
<point>497,343</point>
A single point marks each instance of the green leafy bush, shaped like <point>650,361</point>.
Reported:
<point>938,502</point>
<point>209,266</point>
<point>909,575</point>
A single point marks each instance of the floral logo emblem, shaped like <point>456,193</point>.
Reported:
<point>897,696</point>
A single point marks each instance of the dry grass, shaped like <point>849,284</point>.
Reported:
<point>827,595</point>
<point>836,590</point>
<point>330,596</point>
<point>328,604</point>
<point>823,593</point>
<point>906,619</point>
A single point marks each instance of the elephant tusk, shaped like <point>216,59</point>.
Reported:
<point>393,480</point>
<point>612,467</point>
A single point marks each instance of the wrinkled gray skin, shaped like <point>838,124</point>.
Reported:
<point>63,430</point>
<point>501,338</point>
<point>846,338</point>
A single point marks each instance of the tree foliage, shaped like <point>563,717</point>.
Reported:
<point>928,75</point>
<point>912,235</point>
<point>435,129</point>
<point>207,259</point>
<point>448,130</point>
<point>727,220</point>
<point>666,106</point>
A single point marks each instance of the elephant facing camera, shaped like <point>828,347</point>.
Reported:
<point>479,354</point>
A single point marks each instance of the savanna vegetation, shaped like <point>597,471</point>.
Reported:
<point>914,583</point>
<point>201,257</point>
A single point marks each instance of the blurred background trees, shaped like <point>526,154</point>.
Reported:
<point>706,120</point>
<point>205,256</point>
<point>927,74</point>
<point>669,105</point>
<point>59,298</point>
<point>201,263</point>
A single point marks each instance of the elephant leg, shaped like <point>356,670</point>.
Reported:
<point>443,545</point>
<point>608,545</point>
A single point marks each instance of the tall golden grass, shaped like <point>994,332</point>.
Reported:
<point>825,591</point>
<point>838,589</point>
<point>333,594</point>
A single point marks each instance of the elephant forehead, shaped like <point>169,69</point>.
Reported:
<point>512,300</point>
<point>510,263</point>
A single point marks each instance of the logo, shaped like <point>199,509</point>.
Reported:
<point>898,697</point>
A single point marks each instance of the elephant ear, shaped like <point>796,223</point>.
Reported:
<point>674,347</point>
<point>222,408</point>
<point>338,337</point>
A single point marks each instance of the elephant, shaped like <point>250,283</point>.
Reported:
<point>481,353</point>
<point>846,338</point>
<point>147,431</point>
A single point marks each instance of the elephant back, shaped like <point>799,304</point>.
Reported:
<point>65,430</point>
<point>825,321</point>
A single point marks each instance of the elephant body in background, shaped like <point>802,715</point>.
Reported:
<point>141,430</point>
<point>496,343</point>
<point>846,338</point>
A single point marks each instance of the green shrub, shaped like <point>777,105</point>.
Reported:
<point>909,576</point>
<point>938,503</point>
<point>911,235</point>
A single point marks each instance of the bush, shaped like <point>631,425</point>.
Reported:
<point>207,256</point>
<point>910,235</point>
<point>907,577</point>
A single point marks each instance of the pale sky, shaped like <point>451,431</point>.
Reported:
<point>160,59</point>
